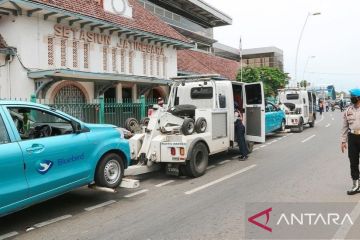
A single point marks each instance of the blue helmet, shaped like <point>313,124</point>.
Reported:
<point>355,92</point>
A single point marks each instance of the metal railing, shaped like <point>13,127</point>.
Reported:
<point>109,111</point>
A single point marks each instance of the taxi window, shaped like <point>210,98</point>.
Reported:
<point>4,136</point>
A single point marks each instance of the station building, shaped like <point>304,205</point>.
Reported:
<point>75,51</point>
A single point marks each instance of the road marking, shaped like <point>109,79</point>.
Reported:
<point>164,183</point>
<point>307,139</point>
<point>58,219</point>
<point>100,205</point>
<point>219,180</point>
<point>212,166</point>
<point>223,162</point>
<point>262,146</point>
<point>255,149</point>
<point>344,229</point>
<point>136,193</point>
<point>272,142</point>
<point>328,125</point>
<point>8,235</point>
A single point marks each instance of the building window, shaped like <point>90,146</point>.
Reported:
<point>86,55</point>
<point>50,51</point>
<point>131,62</point>
<point>151,65</point>
<point>114,62</point>
<point>63,52</point>
<point>70,94</point>
<point>75,54</point>
<point>122,60</point>
<point>105,58</point>
<point>144,63</point>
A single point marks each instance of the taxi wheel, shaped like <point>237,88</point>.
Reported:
<point>110,171</point>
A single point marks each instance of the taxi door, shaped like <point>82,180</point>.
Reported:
<point>13,184</point>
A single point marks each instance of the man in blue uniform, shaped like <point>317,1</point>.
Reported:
<point>350,138</point>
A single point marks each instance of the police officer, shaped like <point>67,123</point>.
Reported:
<point>351,138</point>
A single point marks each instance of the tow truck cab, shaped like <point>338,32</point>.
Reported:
<point>199,120</point>
<point>301,107</point>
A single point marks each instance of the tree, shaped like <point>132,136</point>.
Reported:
<point>273,78</point>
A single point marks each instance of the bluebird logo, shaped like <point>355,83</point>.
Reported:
<point>45,166</point>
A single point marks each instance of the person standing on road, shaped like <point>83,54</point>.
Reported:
<point>350,138</point>
<point>321,107</point>
<point>341,105</point>
<point>240,134</point>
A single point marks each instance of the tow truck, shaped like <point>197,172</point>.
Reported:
<point>197,121</point>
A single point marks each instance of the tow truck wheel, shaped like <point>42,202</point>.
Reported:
<point>198,163</point>
<point>200,125</point>
<point>188,126</point>
<point>301,125</point>
<point>109,171</point>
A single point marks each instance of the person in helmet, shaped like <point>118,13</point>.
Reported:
<point>350,138</point>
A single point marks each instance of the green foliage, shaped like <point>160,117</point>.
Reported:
<point>272,78</point>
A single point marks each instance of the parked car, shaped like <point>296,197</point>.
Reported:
<point>45,153</point>
<point>274,118</point>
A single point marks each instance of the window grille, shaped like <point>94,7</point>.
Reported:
<point>75,54</point>
<point>63,52</point>
<point>50,51</point>
<point>114,62</point>
<point>158,65</point>
<point>151,65</point>
<point>145,63</point>
<point>164,66</point>
<point>122,60</point>
<point>131,62</point>
<point>105,58</point>
<point>86,55</point>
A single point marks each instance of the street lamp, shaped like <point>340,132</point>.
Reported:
<point>307,63</point>
<point>301,34</point>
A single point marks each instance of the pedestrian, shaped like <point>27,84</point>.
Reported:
<point>341,105</point>
<point>321,107</point>
<point>350,138</point>
<point>240,135</point>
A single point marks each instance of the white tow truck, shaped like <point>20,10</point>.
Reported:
<point>197,121</point>
<point>301,107</point>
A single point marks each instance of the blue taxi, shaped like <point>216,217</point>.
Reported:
<point>274,118</point>
<point>45,153</point>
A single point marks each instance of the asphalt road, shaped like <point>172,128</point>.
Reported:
<point>289,167</point>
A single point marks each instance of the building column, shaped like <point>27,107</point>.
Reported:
<point>119,96</point>
<point>134,93</point>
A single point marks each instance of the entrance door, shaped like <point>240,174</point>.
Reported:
<point>255,112</point>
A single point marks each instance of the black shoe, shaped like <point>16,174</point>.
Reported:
<point>243,158</point>
<point>355,189</point>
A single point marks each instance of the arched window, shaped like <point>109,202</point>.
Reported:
<point>69,94</point>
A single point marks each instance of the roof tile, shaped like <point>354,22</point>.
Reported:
<point>202,63</point>
<point>142,18</point>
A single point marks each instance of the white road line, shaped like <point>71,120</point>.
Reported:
<point>58,219</point>
<point>307,139</point>
<point>262,146</point>
<point>164,183</point>
<point>255,149</point>
<point>212,166</point>
<point>8,235</point>
<point>100,205</point>
<point>136,193</point>
<point>328,125</point>
<point>272,142</point>
<point>219,180</point>
<point>223,162</point>
<point>343,231</point>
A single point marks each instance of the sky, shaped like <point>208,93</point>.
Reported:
<point>333,37</point>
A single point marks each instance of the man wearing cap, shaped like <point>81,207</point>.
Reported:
<point>351,138</point>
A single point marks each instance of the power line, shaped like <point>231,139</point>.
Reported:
<point>328,73</point>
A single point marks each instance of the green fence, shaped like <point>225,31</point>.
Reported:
<point>100,111</point>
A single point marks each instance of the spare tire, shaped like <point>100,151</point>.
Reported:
<point>131,124</point>
<point>188,126</point>
<point>145,121</point>
<point>200,125</point>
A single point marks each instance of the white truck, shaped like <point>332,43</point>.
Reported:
<point>300,107</point>
<point>197,121</point>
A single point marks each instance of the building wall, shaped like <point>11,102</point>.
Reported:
<point>40,46</point>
